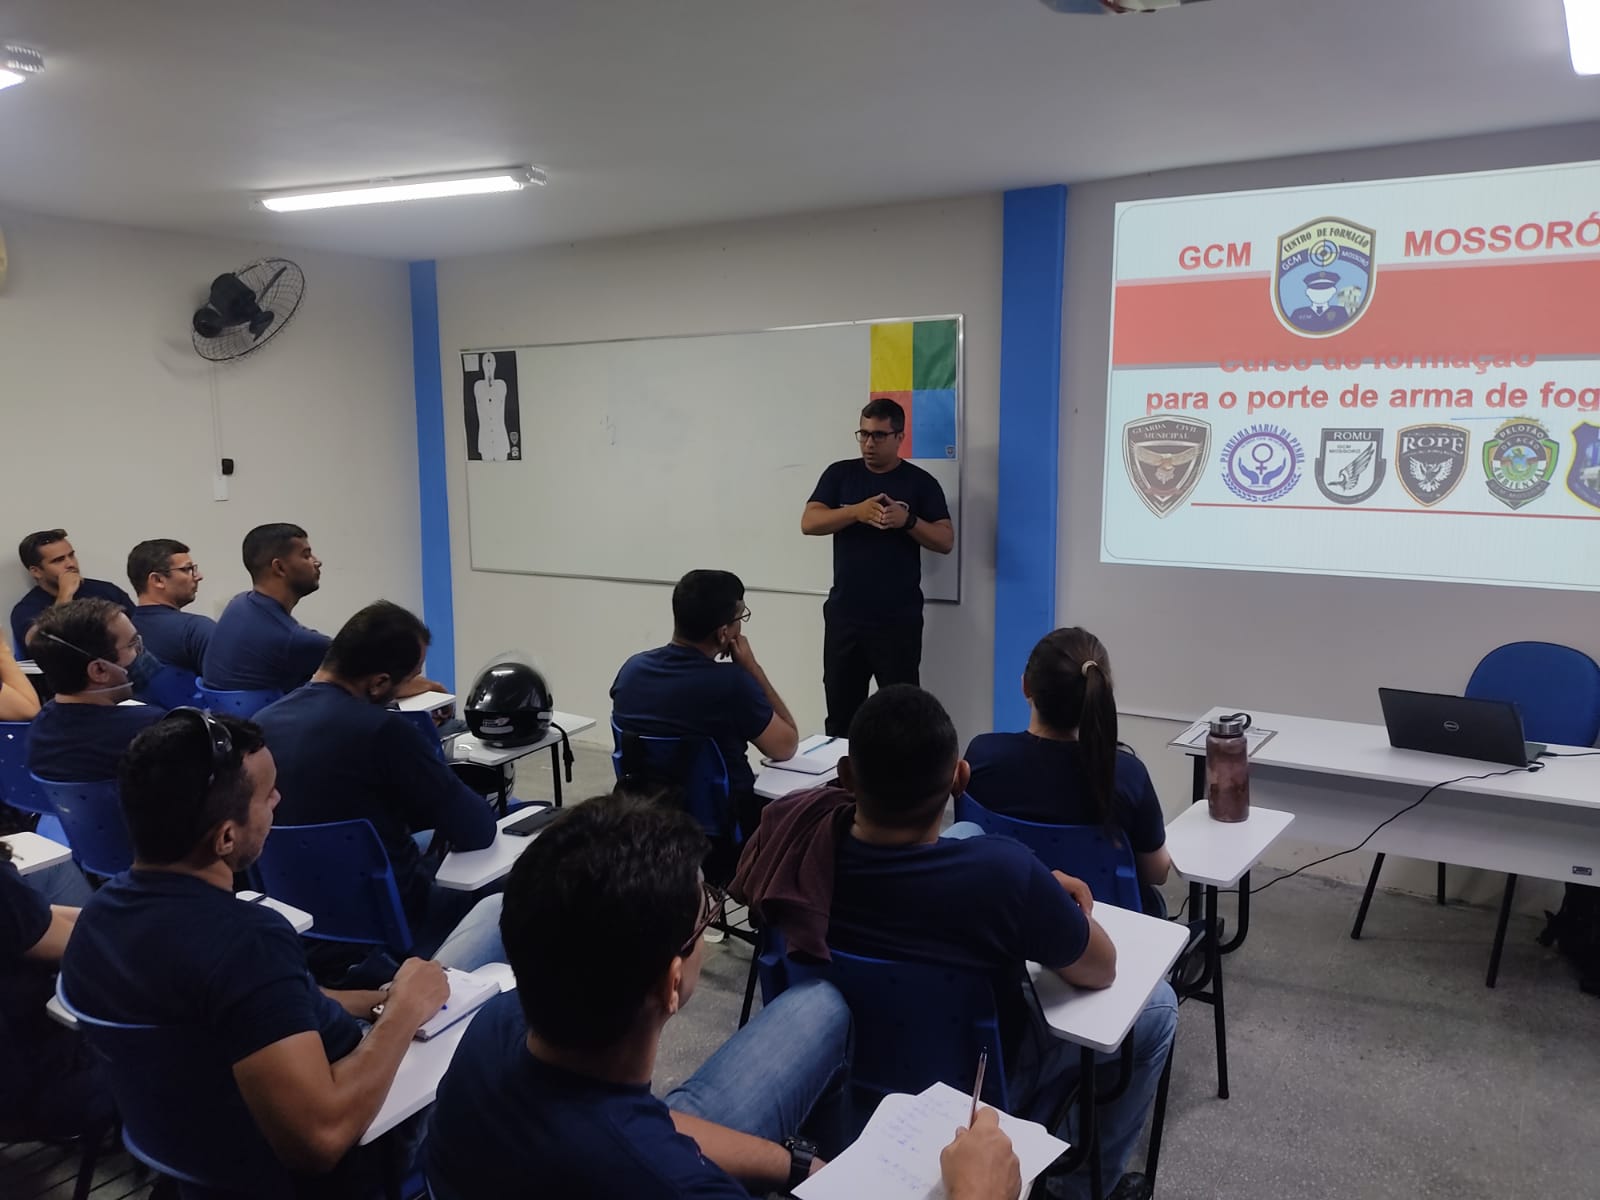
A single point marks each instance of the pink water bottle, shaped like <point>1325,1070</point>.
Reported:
<point>1228,768</point>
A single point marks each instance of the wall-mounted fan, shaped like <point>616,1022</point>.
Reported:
<point>247,308</point>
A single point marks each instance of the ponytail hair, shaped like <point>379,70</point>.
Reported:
<point>1068,678</point>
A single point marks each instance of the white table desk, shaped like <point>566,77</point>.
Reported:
<point>1341,780</point>
<point>469,870</point>
<point>427,702</point>
<point>468,747</point>
<point>1100,1021</point>
<point>299,918</point>
<point>30,852</point>
<point>1219,854</point>
<point>416,1083</point>
<point>774,783</point>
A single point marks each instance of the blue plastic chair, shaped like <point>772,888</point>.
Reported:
<point>91,817</point>
<point>916,1024</point>
<point>238,704</point>
<point>17,786</point>
<point>1085,851</point>
<point>690,767</point>
<point>1555,688</point>
<point>173,687</point>
<point>182,1113</point>
<point>340,874</point>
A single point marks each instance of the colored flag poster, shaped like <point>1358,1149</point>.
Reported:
<point>917,364</point>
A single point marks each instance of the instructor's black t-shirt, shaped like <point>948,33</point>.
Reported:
<point>877,573</point>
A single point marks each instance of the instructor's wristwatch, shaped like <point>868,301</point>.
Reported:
<point>911,521</point>
<point>801,1155</point>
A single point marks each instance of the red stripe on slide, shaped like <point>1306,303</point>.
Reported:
<point>1538,308</point>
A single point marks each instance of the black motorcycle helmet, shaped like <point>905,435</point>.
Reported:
<point>509,704</point>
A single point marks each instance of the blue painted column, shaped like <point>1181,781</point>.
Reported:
<point>1033,269</point>
<point>438,601</point>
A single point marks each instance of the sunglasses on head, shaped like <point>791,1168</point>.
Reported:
<point>216,733</point>
<point>711,902</point>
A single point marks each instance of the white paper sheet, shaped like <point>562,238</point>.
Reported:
<point>1194,737</point>
<point>818,755</point>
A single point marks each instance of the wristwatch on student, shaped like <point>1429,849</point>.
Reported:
<point>801,1155</point>
<point>911,521</point>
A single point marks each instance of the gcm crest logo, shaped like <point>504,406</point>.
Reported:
<point>1324,278</point>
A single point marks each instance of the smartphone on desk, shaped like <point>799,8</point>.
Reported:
<point>533,821</point>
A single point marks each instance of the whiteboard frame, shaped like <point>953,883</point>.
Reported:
<point>961,438</point>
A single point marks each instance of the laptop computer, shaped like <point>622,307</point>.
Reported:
<point>1488,730</point>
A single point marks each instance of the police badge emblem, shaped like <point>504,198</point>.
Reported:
<point>1583,481</point>
<point>1350,467</point>
<point>1429,460</point>
<point>1261,463</point>
<point>1520,460</point>
<point>1164,456</point>
<point>1324,277</point>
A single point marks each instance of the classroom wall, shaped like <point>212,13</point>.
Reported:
<point>908,260</point>
<point>107,426</point>
<point>1183,640</point>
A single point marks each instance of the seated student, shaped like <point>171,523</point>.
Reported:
<point>1067,768</point>
<point>18,699</point>
<point>93,658</point>
<point>257,644</point>
<point>343,754</point>
<point>549,1091</point>
<point>898,890</point>
<point>166,581</point>
<point>53,563</point>
<point>168,944</point>
<point>49,1088</point>
<point>685,688</point>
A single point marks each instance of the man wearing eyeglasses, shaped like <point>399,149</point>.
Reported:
<point>882,513</point>
<point>549,1091</point>
<point>167,580</point>
<point>49,557</point>
<point>94,659</point>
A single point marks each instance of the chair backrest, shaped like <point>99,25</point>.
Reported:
<point>689,767</point>
<point>340,874</point>
<point>91,817</point>
<point>1086,851</point>
<point>17,787</point>
<point>1556,688</point>
<point>181,1111</point>
<point>916,1024</point>
<point>238,704</point>
<point>172,687</point>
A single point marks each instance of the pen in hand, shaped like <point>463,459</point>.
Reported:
<point>977,1088</point>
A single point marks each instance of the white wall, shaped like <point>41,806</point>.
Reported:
<point>906,261</point>
<point>105,413</point>
<point>1183,640</point>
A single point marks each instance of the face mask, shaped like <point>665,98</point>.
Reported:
<point>143,670</point>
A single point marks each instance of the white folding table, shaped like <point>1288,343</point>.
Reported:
<point>774,783</point>
<point>467,747</point>
<point>32,852</point>
<point>469,870</point>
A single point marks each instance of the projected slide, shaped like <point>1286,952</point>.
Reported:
<point>1396,379</point>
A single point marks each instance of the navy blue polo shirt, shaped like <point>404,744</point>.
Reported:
<point>177,638</point>
<point>26,611</point>
<point>877,573</point>
<point>984,903</point>
<point>340,758</point>
<point>257,646</point>
<point>1042,779</point>
<point>506,1124</point>
<point>83,743</point>
<point>676,690</point>
<point>25,986</point>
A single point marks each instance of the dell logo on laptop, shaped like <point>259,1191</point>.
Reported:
<point>1452,726</point>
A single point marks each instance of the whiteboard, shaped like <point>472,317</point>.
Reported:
<point>640,460</point>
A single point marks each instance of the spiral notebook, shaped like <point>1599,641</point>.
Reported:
<point>818,755</point>
<point>468,993</point>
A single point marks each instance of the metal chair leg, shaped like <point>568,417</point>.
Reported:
<point>1441,883</point>
<point>1500,931</point>
<point>1366,897</point>
<point>1218,1011</point>
<point>1158,1118</point>
<point>749,988</point>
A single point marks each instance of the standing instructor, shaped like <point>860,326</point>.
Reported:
<point>882,512</point>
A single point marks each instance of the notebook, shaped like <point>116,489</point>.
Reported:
<point>468,993</point>
<point>817,756</point>
<point>897,1155</point>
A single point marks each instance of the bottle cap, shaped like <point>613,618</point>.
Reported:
<point>1232,725</point>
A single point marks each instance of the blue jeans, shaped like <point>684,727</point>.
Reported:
<point>61,884</point>
<point>770,1076</point>
<point>462,930</point>
<point>1046,1065</point>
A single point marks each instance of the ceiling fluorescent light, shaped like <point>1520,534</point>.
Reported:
<point>416,187</point>
<point>1583,35</point>
<point>17,63</point>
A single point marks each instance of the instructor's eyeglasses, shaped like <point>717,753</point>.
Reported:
<point>876,436</point>
<point>189,569</point>
<point>712,900</point>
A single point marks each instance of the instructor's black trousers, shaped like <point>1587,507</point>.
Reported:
<point>854,653</point>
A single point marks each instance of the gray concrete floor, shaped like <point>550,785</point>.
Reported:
<point>1378,1068</point>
